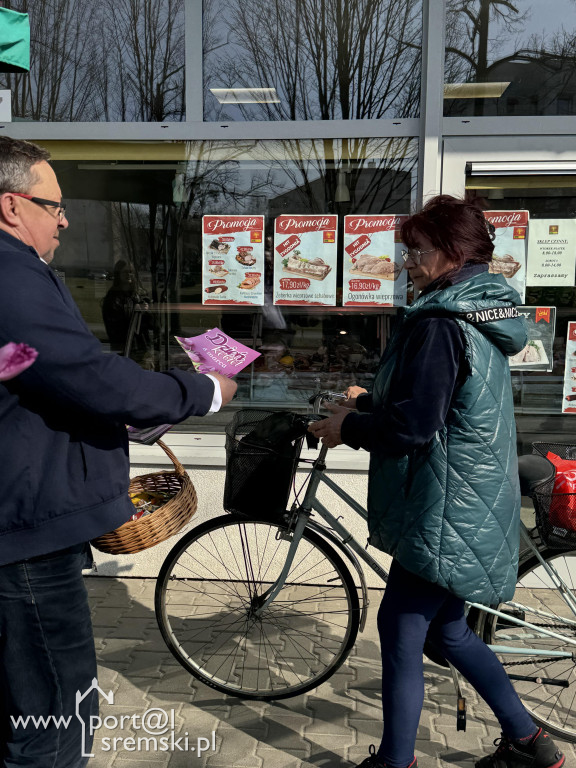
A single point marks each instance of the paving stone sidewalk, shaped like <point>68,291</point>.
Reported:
<point>331,727</point>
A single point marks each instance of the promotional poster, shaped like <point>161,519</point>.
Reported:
<point>510,245</point>
<point>305,259</point>
<point>373,268</point>
<point>233,260</point>
<point>537,354</point>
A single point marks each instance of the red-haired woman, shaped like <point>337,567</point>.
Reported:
<point>444,496</point>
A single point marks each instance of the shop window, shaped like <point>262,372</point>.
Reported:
<point>133,254</point>
<point>539,395</point>
<point>287,60</point>
<point>509,58</point>
<point>113,60</point>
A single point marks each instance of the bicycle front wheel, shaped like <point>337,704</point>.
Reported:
<point>207,599</point>
<point>545,683</point>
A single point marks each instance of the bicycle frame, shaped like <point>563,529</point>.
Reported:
<point>301,515</point>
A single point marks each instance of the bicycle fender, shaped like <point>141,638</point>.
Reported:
<point>333,539</point>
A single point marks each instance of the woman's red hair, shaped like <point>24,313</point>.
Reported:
<point>454,226</point>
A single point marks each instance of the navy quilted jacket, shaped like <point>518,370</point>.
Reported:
<point>449,510</point>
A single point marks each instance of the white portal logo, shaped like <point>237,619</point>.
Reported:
<point>79,698</point>
<point>159,725</point>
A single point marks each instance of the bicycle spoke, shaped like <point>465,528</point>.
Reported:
<point>213,623</point>
<point>286,630</point>
<point>206,551</point>
<point>541,602</point>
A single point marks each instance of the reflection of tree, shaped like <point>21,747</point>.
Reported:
<point>211,180</point>
<point>59,85</point>
<point>115,60</point>
<point>378,172</point>
<point>484,43</point>
<point>143,55</point>
<point>327,59</point>
<point>386,164</point>
<point>471,37</point>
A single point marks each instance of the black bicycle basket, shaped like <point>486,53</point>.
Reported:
<point>262,451</point>
<point>555,512</point>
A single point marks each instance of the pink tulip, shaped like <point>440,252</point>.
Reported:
<point>15,358</point>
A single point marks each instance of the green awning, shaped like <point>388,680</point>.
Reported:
<point>14,41</point>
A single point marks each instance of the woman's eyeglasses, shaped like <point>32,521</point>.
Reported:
<point>61,212</point>
<point>415,254</point>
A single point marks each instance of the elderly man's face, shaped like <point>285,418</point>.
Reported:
<point>40,225</point>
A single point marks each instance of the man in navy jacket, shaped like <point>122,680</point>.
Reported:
<point>63,465</point>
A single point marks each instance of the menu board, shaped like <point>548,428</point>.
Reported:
<point>305,259</point>
<point>537,355</point>
<point>552,252</point>
<point>510,243</point>
<point>373,267</point>
<point>233,260</point>
<point>569,393</point>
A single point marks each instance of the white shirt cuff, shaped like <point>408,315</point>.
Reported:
<point>217,398</point>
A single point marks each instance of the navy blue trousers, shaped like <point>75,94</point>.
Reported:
<point>46,655</point>
<point>412,609</point>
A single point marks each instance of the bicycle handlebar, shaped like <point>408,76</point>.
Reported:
<point>317,399</point>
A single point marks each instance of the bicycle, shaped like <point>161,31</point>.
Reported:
<point>277,609</point>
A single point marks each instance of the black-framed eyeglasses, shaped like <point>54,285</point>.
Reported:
<point>415,254</point>
<point>61,206</point>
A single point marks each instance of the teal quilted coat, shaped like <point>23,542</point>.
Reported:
<point>450,511</point>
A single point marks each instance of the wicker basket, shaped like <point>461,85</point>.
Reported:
<point>149,530</point>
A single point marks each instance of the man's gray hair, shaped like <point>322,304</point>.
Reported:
<point>17,159</point>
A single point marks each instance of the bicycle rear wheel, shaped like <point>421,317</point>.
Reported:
<point>547,686</point>
<point>207,593</point>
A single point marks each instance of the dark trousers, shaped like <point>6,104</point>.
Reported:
<point>412,609</point>
<point>46,656</point>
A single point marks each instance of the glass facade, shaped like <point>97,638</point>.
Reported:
<point>311,59</point>
<point>299,108</point>
<point>115,60</point>
<point>510,58</point>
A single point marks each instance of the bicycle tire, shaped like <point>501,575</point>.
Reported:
<point>206,592</point>
<point>551,706</point>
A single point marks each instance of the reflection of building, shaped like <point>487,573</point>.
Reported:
<point>538,85</point>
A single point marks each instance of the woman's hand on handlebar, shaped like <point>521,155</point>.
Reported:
<point>329,430</point>
<point>351,395</point>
